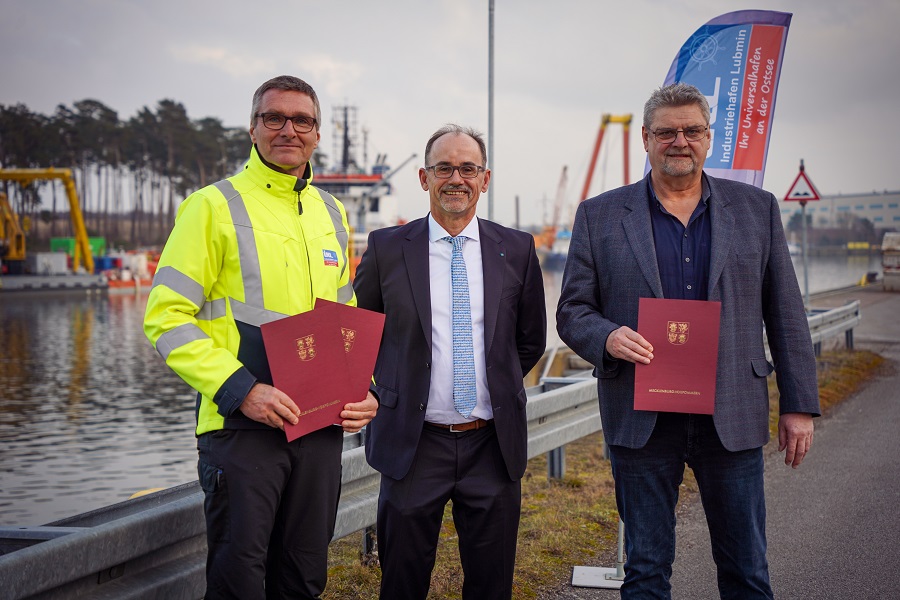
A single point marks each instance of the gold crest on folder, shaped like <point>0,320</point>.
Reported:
<point>677,332</point>
<point>349,337</point>
<point>306,347</point>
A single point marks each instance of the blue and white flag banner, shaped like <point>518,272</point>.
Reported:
<point>735,60</point>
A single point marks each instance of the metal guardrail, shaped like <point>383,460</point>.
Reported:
<point>155,546</point>
<point>827,324</point>
<point>150,547</point>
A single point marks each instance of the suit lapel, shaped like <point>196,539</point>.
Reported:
<point>722,229</point>
<point>415,254</point>
<point>639,231</point>
<point>493,263</point>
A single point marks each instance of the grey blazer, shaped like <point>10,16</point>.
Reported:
<point>612,263</point>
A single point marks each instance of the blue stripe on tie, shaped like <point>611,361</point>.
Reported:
<point>464,394</point>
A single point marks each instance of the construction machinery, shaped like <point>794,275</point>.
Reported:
<point>606,119</point>
<point>547,237</point>
<point>360,188</point>
<point>553,243</point>
<point>12,239</point>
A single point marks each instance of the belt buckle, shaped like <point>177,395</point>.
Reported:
<point>457,430</point>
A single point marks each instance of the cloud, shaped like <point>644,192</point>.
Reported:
<point>222,59</point>
<point>335,76</point>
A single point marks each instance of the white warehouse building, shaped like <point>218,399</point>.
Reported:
<point>882,209</point>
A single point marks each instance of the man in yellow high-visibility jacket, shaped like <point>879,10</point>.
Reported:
<point>247,250</point>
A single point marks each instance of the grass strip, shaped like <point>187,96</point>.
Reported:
<point>572,521</point>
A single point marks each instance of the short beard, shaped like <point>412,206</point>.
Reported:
<point>673,169</point>
<point>453,206</point>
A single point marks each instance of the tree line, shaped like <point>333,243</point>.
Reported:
<point>130,173</point>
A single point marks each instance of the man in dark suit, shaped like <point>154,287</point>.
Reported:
<point>465,322</point>
<point>682,234</point>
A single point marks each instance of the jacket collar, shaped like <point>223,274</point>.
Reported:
<point>415,254</point>
<point>276,182</point>
<point>639,232</point>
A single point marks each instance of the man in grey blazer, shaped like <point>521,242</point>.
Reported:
<point>682,234</point>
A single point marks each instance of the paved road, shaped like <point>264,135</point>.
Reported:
<point>833,525</point>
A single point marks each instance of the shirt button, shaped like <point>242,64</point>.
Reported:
<point>690,287</point>
<point>685,234</point>
<point>688,259</point>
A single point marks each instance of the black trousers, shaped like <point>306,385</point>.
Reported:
<point>270,510</point>
<point>466,469</point>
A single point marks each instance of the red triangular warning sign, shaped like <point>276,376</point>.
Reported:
<point>802,189</point>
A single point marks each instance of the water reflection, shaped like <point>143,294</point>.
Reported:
<point>831,272</point>
<point>88,412</point>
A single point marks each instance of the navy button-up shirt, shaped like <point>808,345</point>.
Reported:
<point>682,253</point>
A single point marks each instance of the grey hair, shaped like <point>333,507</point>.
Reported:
<point>460,130</point>
<point>676,94</point>
<point>290,84</point>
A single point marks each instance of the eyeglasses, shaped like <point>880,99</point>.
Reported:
<point>691,134</point>
<point>275,122</point>
<point>446,171</point>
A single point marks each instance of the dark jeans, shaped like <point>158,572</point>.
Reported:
<point>731,488</point>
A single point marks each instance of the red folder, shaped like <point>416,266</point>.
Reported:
<point>322,359</point>
<point>685,338</point>
<point>360,331</point>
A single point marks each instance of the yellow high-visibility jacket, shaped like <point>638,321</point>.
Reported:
<point>247,250</point>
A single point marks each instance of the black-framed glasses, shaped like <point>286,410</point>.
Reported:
<point>275,122</point>
<point>446,171</point>
<point>691,134</point>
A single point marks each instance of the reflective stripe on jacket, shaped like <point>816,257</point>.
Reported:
<point>241,254</point>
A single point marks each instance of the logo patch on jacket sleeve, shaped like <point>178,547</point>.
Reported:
<point>330,258</point>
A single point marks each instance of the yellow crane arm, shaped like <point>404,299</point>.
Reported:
<point>82,244</point>
<point>12,238</point>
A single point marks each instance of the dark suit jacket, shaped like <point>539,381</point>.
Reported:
<point>393,278</point>
<point>612,263</point>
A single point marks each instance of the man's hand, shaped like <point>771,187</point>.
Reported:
<point>357,415</point>
<point>795,433</point>
<point>627,344</point>
<point>269,406</point>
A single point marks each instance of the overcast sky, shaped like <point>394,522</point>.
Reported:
<point>412,65</point>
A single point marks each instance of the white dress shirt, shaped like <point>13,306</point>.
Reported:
<point>440,395</point>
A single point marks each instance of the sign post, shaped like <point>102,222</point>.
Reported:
<point>803,191</point>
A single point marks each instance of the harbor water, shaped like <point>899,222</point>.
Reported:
<point>90,415</point>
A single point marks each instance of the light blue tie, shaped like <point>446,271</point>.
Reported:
<point>464,394</point>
